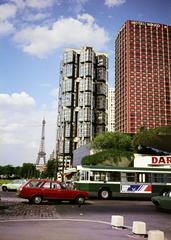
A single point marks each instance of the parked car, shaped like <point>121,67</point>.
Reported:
<point>163,201</point>
<point>13,185</point>
<point>38,190</point>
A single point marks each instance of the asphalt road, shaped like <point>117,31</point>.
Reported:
<point>64,221</point>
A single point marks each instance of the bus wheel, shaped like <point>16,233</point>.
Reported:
<point>104,193</point>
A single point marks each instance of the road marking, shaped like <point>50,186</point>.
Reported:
<point>9,199</point>
<point>60,219</point>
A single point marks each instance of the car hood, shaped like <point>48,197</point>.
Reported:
<point>162,202</point>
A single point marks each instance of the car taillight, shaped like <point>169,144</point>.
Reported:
<point>20,189</point>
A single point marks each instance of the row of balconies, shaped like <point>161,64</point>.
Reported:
<point>84,115</point>
<point>86,69</point>
<point>83,85</point>
<point>86,55</point>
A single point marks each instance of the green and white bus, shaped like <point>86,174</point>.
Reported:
<point>108,182</point>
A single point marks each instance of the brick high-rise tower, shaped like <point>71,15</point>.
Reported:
<point>142,76</point>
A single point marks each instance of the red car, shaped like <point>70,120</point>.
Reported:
<point>38,190</point>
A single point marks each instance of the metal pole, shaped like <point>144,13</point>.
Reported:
<point>56,161</point>
<point>63,161</point>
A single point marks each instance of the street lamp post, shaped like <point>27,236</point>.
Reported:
<point>63,160</point>
<point>56,161</point>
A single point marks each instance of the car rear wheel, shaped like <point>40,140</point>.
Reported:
<point>164,192</point>
<point>36,200</point>
<point>4,189</point>
<point>104,193</point>
<point>80,200</point>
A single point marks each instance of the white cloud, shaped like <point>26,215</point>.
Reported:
<point>39,4</point>
<point>42,40</point>
<point>86,18</point>
<point>19,3</point>
<point>113,3</point>
<point>36,17</point>
<point>10,127</point>
<point>6,27</point>
<point>20,130</point>
<point>54,92</point>
<point>16,100</point>
<point>7,11</point>
<point>77,6</point>
<point>9,138</point>
<point>36,4</point>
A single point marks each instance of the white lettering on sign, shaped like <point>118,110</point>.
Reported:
<point>161,160</point>
<point>148,24</point>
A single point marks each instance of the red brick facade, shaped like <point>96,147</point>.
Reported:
<point>142,76</point>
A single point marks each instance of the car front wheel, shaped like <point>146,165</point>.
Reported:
<point>37,199</point>
<point>80,200</point>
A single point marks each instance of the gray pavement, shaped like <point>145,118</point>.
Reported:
<point>62,229</point>
<point>92,221</point>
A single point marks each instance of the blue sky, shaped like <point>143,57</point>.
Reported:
<point>33,34</point>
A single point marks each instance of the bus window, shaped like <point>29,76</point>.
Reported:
<point>123,177</point>
<point>128,177</point>
<point>96,176</point>
<point>91,176</point>
<point>143,177</point>
<point>99,176</point>
<point>158,178</point>
<point>168,178</point>
<point>131,177</point>
<point>113,177</point>
<point>103,176</point>
<point>83,175</point>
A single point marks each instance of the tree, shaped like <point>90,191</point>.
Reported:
<point>28,170</point>
<point>51,169</point>
<point>17,171</point>
<point>8,171</point>
<point>110,149</point>
<point>159,138</point>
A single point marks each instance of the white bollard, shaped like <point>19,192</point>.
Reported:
<point>139,228</point>
<point>117,221</point>
<point>155,235</point>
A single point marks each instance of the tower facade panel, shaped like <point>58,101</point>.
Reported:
<point>111,110</point>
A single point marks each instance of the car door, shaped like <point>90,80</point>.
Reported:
<point>165,201</point>
<point>46,190</point>
<point>52,190</point>
<point>68,194</point>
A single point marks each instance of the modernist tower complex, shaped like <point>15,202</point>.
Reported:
<point>82,107</point>
<point>142,76</point>
<point>111,110</point>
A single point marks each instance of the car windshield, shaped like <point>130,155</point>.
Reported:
<point>16,181</point>
<point>167,194</point>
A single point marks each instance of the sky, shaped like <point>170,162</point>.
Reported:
<point>33,36</point>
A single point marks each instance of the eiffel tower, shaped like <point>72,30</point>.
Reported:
<point>41,153</point>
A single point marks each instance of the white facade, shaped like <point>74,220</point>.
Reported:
<point>111,110</point>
